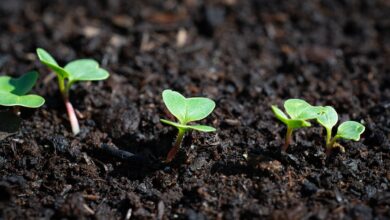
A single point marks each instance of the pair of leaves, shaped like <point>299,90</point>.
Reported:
<point>13,91</point>
<point>299,111</point>
<point>349,130</point>
<point>77,70</point>
<point>188,110</point>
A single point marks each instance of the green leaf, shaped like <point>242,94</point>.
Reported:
<point>13,91</point>
<point>187,110</point>
<point>350,130</point>
<point>297,123</point>
<point>18,86</point>
<point>203,128</point>
<point>176,104</point>
<point>279,114</point>
<point>174,124</point>
<point>198,108</point>
<point>300,109</point>
<point>292,105</point>
<point>50,62</point>
<point>85,70</point>
<point>327,117</point>
<point>29,101</point>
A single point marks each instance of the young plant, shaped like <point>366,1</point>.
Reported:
<point>186,110</point>
<point>13,91</point>
<point>75,71</point>
<point>299,111</point>
<point>349,130</point>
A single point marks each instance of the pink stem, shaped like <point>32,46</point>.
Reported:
<point>288,138</point>
<point>172,153</point>
<point>72,117</point>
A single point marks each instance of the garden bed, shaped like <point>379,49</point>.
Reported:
<point>245,55</point>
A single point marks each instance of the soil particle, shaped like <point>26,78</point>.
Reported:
<point>360,211</point>
<point>5,192</point>
<point>74,206</point>
<point>308,188</point>
<point>120,120</point>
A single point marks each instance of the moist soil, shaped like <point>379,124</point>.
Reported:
<point>245,55</point>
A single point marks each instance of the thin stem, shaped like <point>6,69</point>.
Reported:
<point>329,146</point>
<point>64,89</point>
<point>328,136</point>
<point>172,153</point>
<point>61,85</point>
<point>287,138</point>
<point>72,117</point>
<point>329,141</point>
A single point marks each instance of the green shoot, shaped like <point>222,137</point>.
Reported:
<point>13,91</point>
<point>299,111</point>
<point>186,110</point>
<point>349,130</point>
<point>77,70</point>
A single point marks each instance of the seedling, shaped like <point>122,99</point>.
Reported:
<point>13,91</point>
<point>299,111</point>
<point>349,130</point>
<point>186,110</point>
<point>77,70</point>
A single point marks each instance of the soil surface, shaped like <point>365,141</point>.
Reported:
<point>245,55</point>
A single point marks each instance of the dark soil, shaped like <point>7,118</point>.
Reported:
<point>246,55</point>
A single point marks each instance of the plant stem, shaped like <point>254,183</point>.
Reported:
<point>328,136</point>
<point>329,146</point>
<point>61,85</point>
<point>72,117</point>
<point>329,141</point>
<point>74,123</point>
<point>287,138</point>
<point>172,153</point>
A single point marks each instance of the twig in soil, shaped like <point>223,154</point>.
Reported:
<point>128,214</point>
<point>91,197</point>
<point>124,155</point>
<point>88,209</point>
<point>160,210</point>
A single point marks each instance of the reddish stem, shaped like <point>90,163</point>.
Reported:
<point>72,117</point>
<point>287,139</point>
<point>172,153</point>
<point>328,151</point>
<point>329,146</point>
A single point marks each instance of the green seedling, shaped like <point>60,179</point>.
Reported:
<point>299,111</point>
<point>13,91</point>
<point>75,71</point>
<point>349,130</point>
<point>186,110</point>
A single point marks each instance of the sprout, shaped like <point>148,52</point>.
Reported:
<point>349,130</point>
<point>13,91</point>
<point>299,111</point>
<point>186,110</point>
<point>77,70</point>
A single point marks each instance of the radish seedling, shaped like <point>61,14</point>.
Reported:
<point>77,70</point>
<point>349,130</point>
<point>186,110</point>
<point>299,111</point>
<point>13,91</point>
